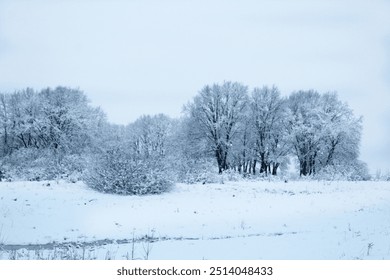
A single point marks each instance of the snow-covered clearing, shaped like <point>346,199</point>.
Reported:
<point>235,220</point>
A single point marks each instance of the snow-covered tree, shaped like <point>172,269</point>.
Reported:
<point>149,135</point>
<point>215,114</point>
<point>323,132</point>
<point>48,130</point>
<point>268,120</point>
<point>5,124</point>
<point>341,134</point>
<point>305,129</point>
<point>243,153</point>
<point>68,121</point>
<point>190,155</point>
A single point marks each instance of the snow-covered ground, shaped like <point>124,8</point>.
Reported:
<point>235,220</point>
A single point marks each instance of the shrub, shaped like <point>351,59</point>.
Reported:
<point>116,171</point>
<point>196,171</point>
<point>41,164</point>
<point>28,164</point>
<point>356,171</point>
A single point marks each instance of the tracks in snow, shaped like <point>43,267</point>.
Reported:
<point>144,239</point>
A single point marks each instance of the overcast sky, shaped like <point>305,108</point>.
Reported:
<point>150,56</point>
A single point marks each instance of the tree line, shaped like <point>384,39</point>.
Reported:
<point>261,131</point>
<point>226,127</point>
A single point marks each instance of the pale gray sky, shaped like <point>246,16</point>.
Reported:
<point>148,56</point>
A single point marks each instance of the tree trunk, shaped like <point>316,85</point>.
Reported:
<point>303,167</point>
<point>275,168</point>
<point>263,165</point>
<point>219,156</point>
<point>254,167</point>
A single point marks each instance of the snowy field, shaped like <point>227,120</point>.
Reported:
<point>235,220</point>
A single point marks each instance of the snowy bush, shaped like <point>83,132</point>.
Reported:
<point>41,164</point>
<point>72,167</point>
<point>356,171</point>
<point>28,164</point>
<point>118,172</point>
<point>197,171</point>
<point>382,176</point>
<point>232,175</point>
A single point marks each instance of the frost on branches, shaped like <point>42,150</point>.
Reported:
<point>225,129</point>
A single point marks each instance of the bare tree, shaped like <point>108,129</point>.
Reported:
<point>243,153</point>
<point>323,131</point>
<point>304,129</point>
<point>149,135</point>
<point>268,116</point>
<point>341,132</point>
<point>215,113</point>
